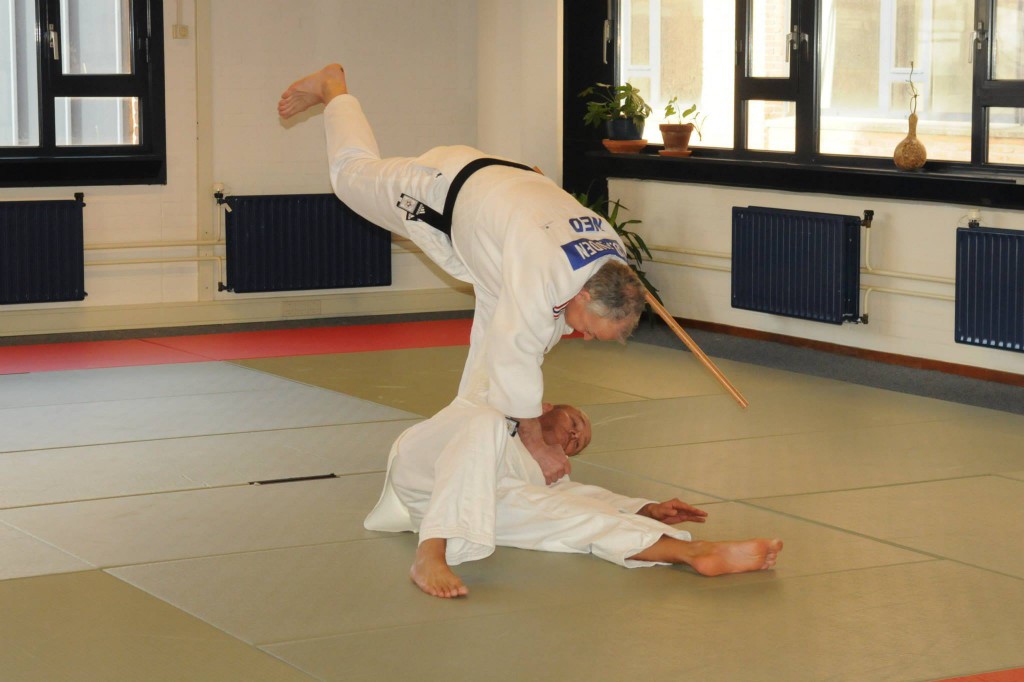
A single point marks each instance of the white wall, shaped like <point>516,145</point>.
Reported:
<point>906,237</point>
<point>483,72</point>
<point>520,88</point>
<point>416,66</point>
<point>136,214</point>
<point>413,63</point>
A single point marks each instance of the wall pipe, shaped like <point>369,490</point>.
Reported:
<point>919,294</point>
<point>866,288</point>
<point>152,245</point>
<point>866,270</point>
<point>146,261</point>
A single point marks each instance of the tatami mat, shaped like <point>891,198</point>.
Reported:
<point>703,419</point>
<point>820,461</point>
<point>147,528</point>
<point>22,555</point>
<point>48,357</point>
<point>839,626</point>
<point>129,383</point>
<point>91,627</point>
<point>632,485</point>
<point>315,340</point>
<point>135,468</point>
<point>661,372</point>
<point>88,355</point>
<point>327,590</point>
<point>900,517</point>
<point>977,521</point>
<point>113,421</point>
<point>421,381</point>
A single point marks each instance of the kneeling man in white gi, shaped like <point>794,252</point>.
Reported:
<point>463,480</point>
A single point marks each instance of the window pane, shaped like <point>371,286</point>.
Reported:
<point>96,36</point>
<point>771,126</point>
<point>1006,136</point>
<point>1008,55</point>
<point>769,26</point>
<point>867,47</point>
<point>693,62</point>
<point>905,45</point>
<point>97,121</point>
<point>19,104</point>
<point>640,32</point>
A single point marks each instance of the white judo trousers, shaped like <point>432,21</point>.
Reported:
<point>525,245</point>
<point>460,476</point>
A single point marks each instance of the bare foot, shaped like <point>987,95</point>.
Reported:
<point>319,87</point>
<point>431,572</point>
<point>717,558</point>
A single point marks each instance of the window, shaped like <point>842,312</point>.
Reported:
<point>81,92</point>
<point>809,94</point>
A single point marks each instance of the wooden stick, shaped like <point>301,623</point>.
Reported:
<point>694,348</point>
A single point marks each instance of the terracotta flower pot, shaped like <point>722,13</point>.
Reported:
<point>677,138</point>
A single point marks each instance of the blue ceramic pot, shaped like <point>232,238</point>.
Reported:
<point>624,129</point>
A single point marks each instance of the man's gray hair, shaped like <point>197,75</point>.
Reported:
<point>616,293</point>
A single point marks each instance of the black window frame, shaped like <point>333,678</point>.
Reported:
<point>47,165</point>
<point>588,58</point>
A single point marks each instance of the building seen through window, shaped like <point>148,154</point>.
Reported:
<point>81,85</point>
<point>868,51</point>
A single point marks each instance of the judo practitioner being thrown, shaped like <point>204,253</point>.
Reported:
<point>541,265</point>
<point>465,483</point>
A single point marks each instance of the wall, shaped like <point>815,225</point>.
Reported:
<point>692,225</point>
<point>484,72</point>
<point>131,214</point>
<point>520,85</point>
<point>413,63</point>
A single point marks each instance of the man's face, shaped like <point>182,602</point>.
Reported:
<point>566,426</point>
<point>583,320</point>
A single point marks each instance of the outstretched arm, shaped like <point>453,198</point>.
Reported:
<point>672,511</point>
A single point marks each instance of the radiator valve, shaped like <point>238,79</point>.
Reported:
<point>974,217</point>
<point>218,194</point>
<point>869,215</point>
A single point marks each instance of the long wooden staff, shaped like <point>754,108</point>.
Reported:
<point>694,348</point>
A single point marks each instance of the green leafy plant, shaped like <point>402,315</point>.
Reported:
<point>691,115</point>
<point>636,247</point>
<point>614,101</point>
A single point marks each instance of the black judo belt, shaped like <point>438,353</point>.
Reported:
<point>417,210</point>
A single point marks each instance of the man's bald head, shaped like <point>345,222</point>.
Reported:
<point>567,426</point>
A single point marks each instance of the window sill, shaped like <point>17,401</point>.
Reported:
<point>140,169</point>
<point>944,186</point>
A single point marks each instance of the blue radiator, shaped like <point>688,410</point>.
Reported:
<point>41,251</point>
<point>302,241</point>
<point>796,263</point>
<point>990,287</point>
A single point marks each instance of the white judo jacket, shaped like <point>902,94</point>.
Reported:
<point>459,475</point>
<point>525,245</point>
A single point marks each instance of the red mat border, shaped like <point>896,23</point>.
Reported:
<point>233,346</point>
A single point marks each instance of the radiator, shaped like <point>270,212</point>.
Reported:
<point>990,287</point>
<point>796,263</point>
<point>302,241</point>
<point>41,251</point>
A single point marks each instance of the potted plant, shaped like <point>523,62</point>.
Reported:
<point>677,135</point>
<point>636,247</point>
<point>623,112</point>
